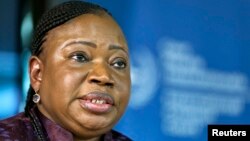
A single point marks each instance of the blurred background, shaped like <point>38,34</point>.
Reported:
<point>190,63</point>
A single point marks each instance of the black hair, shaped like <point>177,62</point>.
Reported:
<point>49,20</point>
<point>59,15</point>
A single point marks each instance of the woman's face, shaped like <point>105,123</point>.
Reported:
<point>85,75</point>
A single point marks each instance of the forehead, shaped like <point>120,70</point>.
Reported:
<point>89,26</point>
<point>95,28</point>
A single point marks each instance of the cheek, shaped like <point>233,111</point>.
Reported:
<point>68,83</point>
<point>124,86</point>
<point>63,86</point>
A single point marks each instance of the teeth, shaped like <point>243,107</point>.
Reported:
<point>103,102</point>
<point>93,101</point>
<point>98,101</point>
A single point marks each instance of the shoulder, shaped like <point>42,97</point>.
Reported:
<point>16,127</point>
<point>116,136</point>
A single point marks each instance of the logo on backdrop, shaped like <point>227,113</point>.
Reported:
<point>144,77</point>
<point>193,95</point>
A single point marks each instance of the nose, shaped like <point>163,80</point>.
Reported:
<point>101,75</point>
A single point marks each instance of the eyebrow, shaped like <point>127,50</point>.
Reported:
<point>90,44</point>
<point>111,47</point>
<point>93,45</point>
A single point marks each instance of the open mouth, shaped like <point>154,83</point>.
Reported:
<point>96,102</point>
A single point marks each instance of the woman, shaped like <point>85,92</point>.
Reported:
<point>80,78</point>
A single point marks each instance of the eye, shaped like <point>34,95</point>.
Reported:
<point>79,57</point>
<point>119,63</point>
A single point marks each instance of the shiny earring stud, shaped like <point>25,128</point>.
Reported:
<point>36,98</point>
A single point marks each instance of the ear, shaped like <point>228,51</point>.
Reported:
<point>35,72</point>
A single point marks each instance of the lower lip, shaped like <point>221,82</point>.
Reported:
<point>95,108</point>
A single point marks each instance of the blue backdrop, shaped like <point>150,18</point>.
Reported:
<point>190,66</point>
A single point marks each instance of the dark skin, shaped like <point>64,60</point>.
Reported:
<point>83,75</point>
